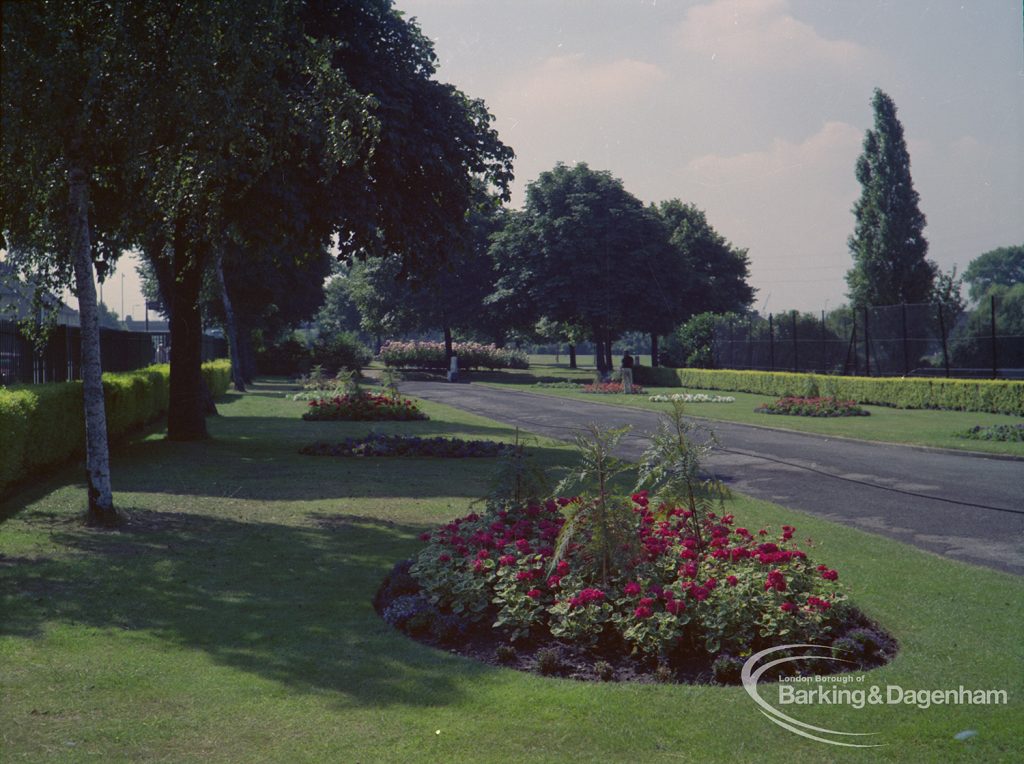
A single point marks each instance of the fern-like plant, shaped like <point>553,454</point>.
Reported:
<point>670,468</point>
<point>600,520</point>
<point>517,479</point>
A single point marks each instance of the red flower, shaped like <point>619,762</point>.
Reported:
<point>699,593</point>
<point>562,568</point>
<point>787,607</point>
<point>507,559</point>
<point>675,607</point>
<point>424,537</point>
<point>732,580</point>
<point>533,593</point>
<point>830,575</point>
<point>775,581</point>
<point>554,581</point>
<point>643,612</point>
<point>632,588</point>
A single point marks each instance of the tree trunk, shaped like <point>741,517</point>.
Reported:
<point>232,329</point>
<point>572,356</point>
<point>186,417</point>
<point>248,358</point>
<point>97,455</point>
<point>599,355</point>
<point>654,350</point>
<point>608,349</point>
<point>448,348</point>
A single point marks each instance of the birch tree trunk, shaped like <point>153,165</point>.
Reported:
<point>97,455</point>
<point>237,376</point>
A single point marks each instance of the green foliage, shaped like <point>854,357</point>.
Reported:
<point>996,396</point>
<point>600,519</point>
<point>284,359</point>
<point>43,426</point>
<point>971,344</point>
<point>341,351</point>
<point>671,468</point>
<point>517,479</point>
<point>888,244</point>
<point>1003,266</point>
<point>692,344</point>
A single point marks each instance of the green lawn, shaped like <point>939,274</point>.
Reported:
<point>919,427</point>
<point>231,621</point>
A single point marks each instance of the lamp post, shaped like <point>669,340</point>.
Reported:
<point>122,299</point>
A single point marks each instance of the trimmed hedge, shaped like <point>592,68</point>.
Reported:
<point>995,396</point>
<point>42,426</point>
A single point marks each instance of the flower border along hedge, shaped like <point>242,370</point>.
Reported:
<point>431,355</point>
<point>43,426</point>
<point>992,395</point>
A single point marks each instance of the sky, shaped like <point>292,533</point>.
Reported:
<point>755,111</point>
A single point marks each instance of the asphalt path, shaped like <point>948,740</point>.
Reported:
<point>962,506</point>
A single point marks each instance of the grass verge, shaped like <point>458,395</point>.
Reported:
<point>919,427</point>
<point>231,621</point>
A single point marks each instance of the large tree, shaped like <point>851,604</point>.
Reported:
<point>1004,266</point>
<point>584,251</point>
<point>70,93</point>
<point>712,273</point>
<point>888,244</point>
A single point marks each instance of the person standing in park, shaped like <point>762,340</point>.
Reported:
<point>627,373</point>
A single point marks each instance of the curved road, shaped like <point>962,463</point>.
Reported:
<point>965,507</point>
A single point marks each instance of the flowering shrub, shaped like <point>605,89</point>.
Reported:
<point>1014,433</point>
<point>431,355</point>
<point>361,407</point>
<point>608,388</point>
<point>559,385</point>
<point>378,444</point>
<point>823,407</point>
<point>692,398</point>
<point>694,584</point>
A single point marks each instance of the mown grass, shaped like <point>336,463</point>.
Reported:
<point>230,620</point>
<point>935,429</point>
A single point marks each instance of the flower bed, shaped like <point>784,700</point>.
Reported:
<point>820,407</point>
<point>692,398</point>
<point>431,355</point>
<point>696,595</point>
<point>1012,433</point>
<point>377,444</point>
<point>363,407</point>
<point>610,388</point>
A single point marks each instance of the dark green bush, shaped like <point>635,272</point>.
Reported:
<point>284,359</point>
<point>341,351</point>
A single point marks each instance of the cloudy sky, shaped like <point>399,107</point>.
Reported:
<point>755,110</point>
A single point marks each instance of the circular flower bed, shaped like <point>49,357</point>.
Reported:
<point>822,407</point>
<point>1013,433</point>
<point>692,398</point>
<point>610,388</point>
<point>697,595</point>
<point>363,407</point>
<point>377,444</point>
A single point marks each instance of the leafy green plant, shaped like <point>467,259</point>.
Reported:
<point>670,469</point>
<point>517,479</point>
<point>599,520</point>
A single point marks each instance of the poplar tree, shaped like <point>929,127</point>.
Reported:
<point>888,244</point>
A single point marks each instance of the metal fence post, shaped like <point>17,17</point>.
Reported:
<point>796,360</point>
<point>995,367</point>
<point>867,346</point>
<point>945,348</point>
<point>771,342</point>
<point>906,354</point>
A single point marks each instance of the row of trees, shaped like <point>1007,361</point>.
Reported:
<point>583,259</point>
<point>232,143</point>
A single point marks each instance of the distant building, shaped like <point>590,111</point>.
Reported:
<point>16,300</point>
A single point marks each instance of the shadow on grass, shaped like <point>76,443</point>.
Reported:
<point>291,604</point>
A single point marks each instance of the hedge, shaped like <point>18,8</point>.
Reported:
<point>431,355</point>
<point>995,396</point>
<point>42,426</point>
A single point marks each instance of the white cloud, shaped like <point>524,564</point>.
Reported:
<point>761,34</point>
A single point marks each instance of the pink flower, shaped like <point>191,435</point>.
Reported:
<point>699,593</point>
<point>533,593</point>
<point>675,607</point>
<point>632,588</point>
<point>562,568</point>
<point>787,607</point>
<point>819,604</point>
<point>643,612</point>
<point>554,581</point>
<point>507,559</point>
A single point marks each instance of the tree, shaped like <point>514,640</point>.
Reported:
<point>1004,265</point>
<point>712,273</point>
<point>584,251</point>
<point>888,244</point>
<point>69,91</point>
<point>971,345</point>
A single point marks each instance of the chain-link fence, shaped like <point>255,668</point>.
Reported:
<point>893,340</point>
<point>60,359</point>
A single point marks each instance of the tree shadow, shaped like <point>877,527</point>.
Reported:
<point>292,604</point>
